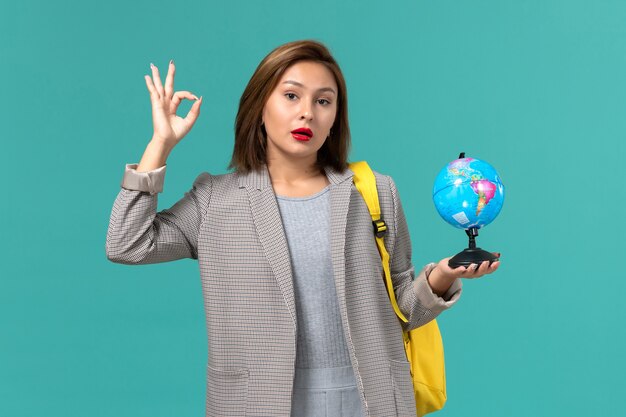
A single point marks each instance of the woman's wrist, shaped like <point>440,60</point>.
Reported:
<point>155,156</point>
<point>439,282</point>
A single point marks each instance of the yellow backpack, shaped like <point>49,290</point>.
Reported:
<point>424,347</point>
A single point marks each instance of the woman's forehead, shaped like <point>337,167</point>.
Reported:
<point>309,75</point>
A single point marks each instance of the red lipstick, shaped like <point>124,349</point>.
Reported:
<point>302,134</point>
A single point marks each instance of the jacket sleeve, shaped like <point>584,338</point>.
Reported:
<point>414,295</point>
<point>137,234</point>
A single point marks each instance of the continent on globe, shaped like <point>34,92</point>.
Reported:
<point>485,190</point>
<point>458,167</point>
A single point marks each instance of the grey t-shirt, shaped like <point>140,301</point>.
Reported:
<point>321,341</point>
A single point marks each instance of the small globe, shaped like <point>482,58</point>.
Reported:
<point>468,193</point>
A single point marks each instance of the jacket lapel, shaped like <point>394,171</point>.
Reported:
<point>340,192</point>
<point>271,234</point>
<point>270,230</point>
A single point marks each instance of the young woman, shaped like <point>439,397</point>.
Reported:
<point>298,318</point>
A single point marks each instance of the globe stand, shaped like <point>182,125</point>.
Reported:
<point>471,255</point>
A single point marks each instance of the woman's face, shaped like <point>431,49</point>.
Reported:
<point>299,113</point>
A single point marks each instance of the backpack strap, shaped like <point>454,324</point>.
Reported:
<point>365,182</point>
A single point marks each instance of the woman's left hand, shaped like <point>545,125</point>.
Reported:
<point>442,276</point>
<point>472,271</point>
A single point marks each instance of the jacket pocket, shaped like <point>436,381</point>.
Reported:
<point>227,392</point>
<point>403,388</point>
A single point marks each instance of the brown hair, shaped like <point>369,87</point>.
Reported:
<point>249,152</point>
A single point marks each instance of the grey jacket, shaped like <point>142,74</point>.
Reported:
<point>231,224</point>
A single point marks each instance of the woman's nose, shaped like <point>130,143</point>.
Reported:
<point>306,113</point>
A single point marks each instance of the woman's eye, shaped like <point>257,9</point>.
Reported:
<point>323,102</point>
<point>290,96</point>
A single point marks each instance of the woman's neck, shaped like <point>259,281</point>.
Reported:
<point>296,178</point>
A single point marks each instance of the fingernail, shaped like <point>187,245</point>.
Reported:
<point>171,61</point>
<point>151,65</point>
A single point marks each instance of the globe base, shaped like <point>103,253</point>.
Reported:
<point>471,256</point>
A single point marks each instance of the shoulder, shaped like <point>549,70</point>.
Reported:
<point>207,179</point>
<point>216,190</point>
<point>385,185</point>
<point>221,188</point>
<point>383,179</point>
<point>207,185</point>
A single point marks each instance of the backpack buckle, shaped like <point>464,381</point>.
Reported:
<point>380,227</point>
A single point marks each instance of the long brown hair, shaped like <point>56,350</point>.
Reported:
<point>250,148</point>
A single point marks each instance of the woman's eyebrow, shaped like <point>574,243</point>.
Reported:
<point>323,89</point>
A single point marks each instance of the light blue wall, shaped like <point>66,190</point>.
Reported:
<point>536,88</point>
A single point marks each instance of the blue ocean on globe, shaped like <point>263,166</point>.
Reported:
<point>468,193</point>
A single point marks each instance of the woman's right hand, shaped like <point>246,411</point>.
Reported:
<point>169,128</point>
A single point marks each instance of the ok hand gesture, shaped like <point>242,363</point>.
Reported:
<point>169,128</point>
